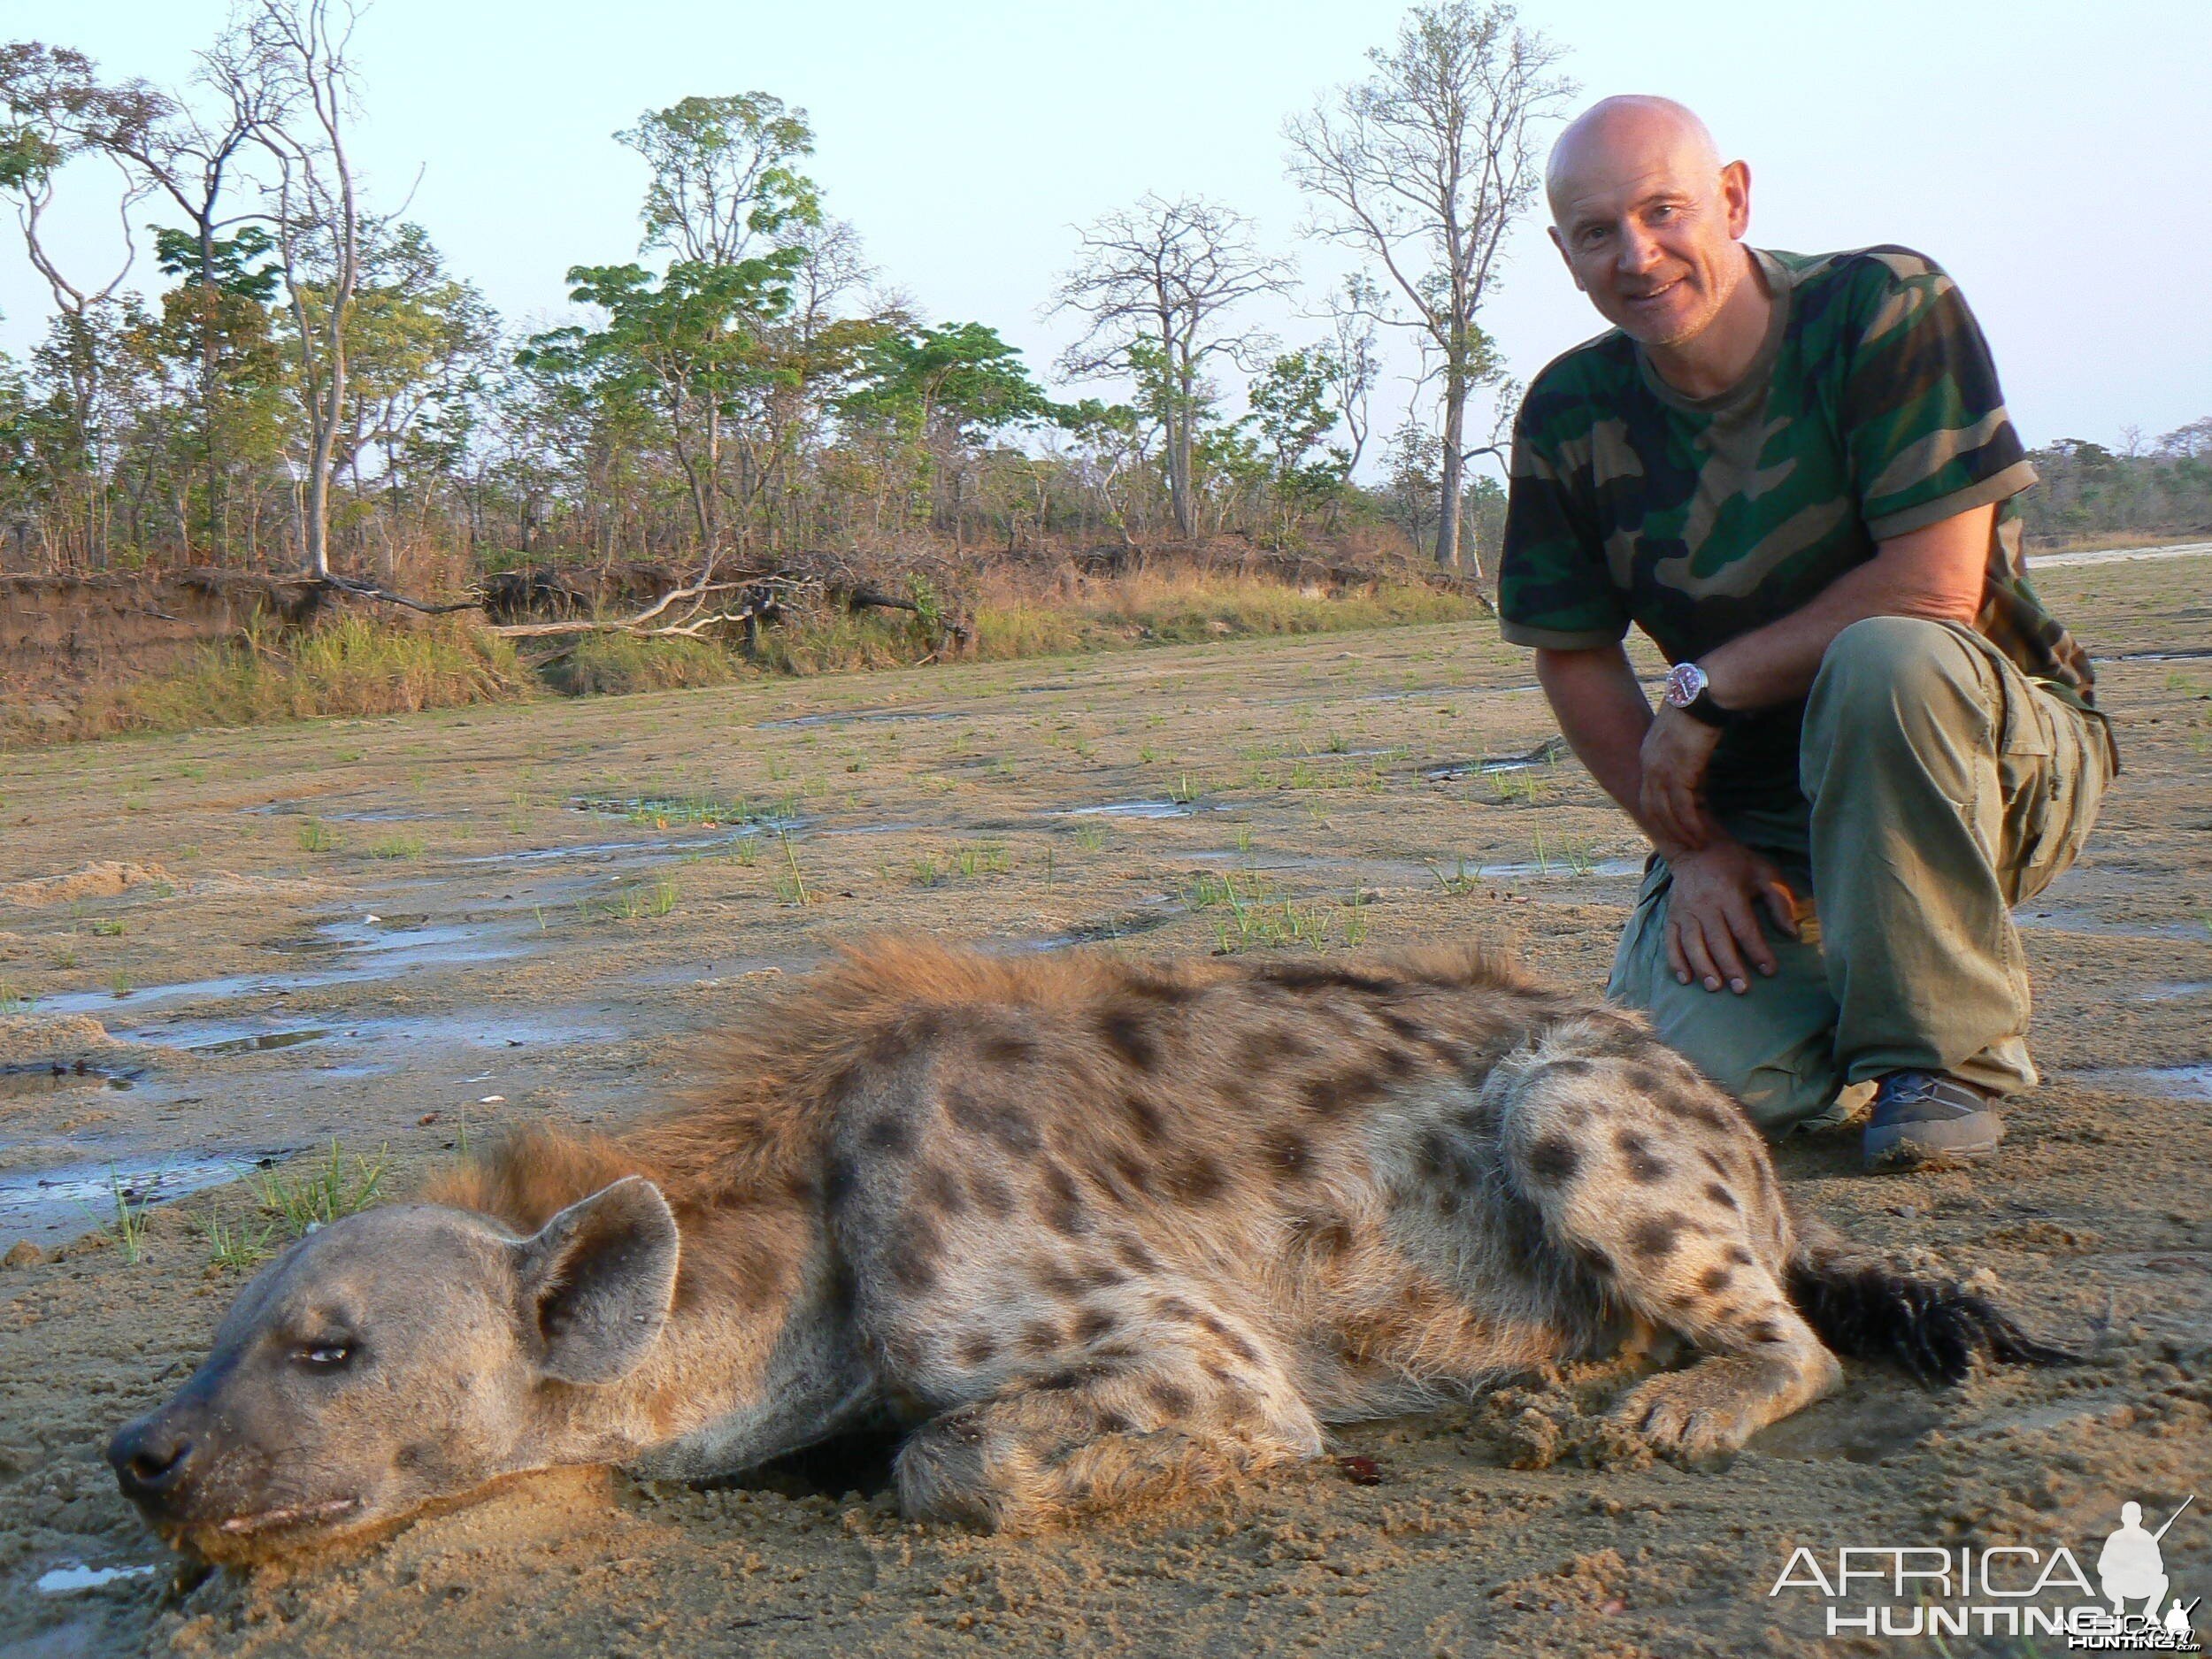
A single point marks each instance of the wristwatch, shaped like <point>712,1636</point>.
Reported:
<point>1689,690</point>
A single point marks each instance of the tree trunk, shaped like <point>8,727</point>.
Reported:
<point>1181,443</point>
<point>211,369</point>
<point>326,436</point>
<point>1452,467</point>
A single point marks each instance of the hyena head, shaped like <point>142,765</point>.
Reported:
<point>398,1356</point>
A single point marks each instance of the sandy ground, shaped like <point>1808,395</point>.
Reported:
<point>400,934</point>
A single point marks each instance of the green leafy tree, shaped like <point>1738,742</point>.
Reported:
<point>217,341</point>
<point>962,379</point>
<point>688,344</point>
<point>930,397</point>
<point>723,180</point>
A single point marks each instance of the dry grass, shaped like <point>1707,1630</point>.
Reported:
<point>357,667</point>
<point>599,664</point>
<point>350,667</point>
<point>1147,609</point>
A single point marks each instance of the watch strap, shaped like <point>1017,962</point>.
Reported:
<point>1704,709</point>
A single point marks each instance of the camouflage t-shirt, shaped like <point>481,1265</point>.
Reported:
<point>1873,409</point>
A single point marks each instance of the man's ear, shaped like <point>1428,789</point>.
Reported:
<point>1735,188</point>
<point>594,1284</point>
<point>1560,242</point>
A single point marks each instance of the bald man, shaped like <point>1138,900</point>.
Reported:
<point>1795,473</point>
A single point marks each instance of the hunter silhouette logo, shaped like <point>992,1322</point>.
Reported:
<point>2007,1589</point>
<point>2131,1565</point>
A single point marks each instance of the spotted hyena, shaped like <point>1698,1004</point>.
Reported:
<point>1091,1229</point>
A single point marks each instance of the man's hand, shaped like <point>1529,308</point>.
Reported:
<point>1712,914</point>
<point>1677,751</point>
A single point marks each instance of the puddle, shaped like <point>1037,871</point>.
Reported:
<point>1099,930</point>
<point>62,1581</point>
<point>1556,868</point>
<point>376,938</point>
<point>1546,753</point>
<point>26,1082</point>
<point>2161,656</point>
<point>231,985</point>
<point>2113,556</point>
<point>260,1041</point>
<point>2175,1082</point>
<point>79,1197</point>
<point>861,717</point>
<point>1138,808</point>
<point>338,815</point>
<point>2066,919</point>
<point>388,952</point>
<point>2174,993</point>
<point>747,830</point>
<point>668,811</point>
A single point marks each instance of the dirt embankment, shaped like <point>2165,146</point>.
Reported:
<point>60,635</point>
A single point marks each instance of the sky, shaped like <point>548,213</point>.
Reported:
<point>2052,157</point>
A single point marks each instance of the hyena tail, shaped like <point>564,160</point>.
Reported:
<point>1864,1308</point>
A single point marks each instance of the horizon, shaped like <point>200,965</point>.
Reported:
<point>513,196</point>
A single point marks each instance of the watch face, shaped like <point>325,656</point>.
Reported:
<point>1684,681</point>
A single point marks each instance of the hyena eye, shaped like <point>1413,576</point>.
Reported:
<point>323,1355</point>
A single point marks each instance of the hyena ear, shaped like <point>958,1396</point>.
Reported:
<point>594,1284</point>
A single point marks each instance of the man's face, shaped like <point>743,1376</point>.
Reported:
<point>1649,229</point>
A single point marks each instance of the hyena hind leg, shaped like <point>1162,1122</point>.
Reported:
<point>1652,1178</point>
<point>1105,1432</point>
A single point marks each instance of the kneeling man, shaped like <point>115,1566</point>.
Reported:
<point>1796,474</point>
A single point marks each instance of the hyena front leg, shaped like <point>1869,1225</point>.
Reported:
<point>1653,1180</point>
<point>1115,1426</point>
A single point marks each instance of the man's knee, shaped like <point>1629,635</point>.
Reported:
<point>1886,680</point>
<point>1772,1047</point>
<point>1883,659</point>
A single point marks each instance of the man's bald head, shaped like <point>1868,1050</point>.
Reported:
<point>1632,131</point>
<point>1648,217</point>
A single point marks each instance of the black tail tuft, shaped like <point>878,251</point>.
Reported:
<point>1870,1310</point>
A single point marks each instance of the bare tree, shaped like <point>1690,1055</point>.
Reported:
<point>1156,280</point>
<point>164,148</point>
<point>295,51</point>
<point>1353,359</point>
<point>54,111</point>
<point>1425,167</point>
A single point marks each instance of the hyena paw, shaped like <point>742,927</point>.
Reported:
<point>1706,1413</point>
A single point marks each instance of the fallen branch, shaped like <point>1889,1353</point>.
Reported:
<point>367,590</point>
<point>867,599</point>
<point>688,625</point>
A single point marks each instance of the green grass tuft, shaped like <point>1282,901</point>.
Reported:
<point>322,1195</point>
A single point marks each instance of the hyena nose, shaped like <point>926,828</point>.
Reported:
<point>150,1458</point>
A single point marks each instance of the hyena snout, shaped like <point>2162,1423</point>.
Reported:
<point>157,1458</point>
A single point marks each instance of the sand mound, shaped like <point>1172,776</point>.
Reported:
<point>219,884</point>
<point>104,881</point>
<point>27,1040</point>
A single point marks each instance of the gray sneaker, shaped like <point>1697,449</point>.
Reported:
<point>1926,1118</point>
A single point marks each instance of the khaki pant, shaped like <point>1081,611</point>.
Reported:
<point>1943,787</point>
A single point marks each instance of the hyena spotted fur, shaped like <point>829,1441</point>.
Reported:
<point>1097,1229</point>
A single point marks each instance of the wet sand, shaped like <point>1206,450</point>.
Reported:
<point>225,951</point>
